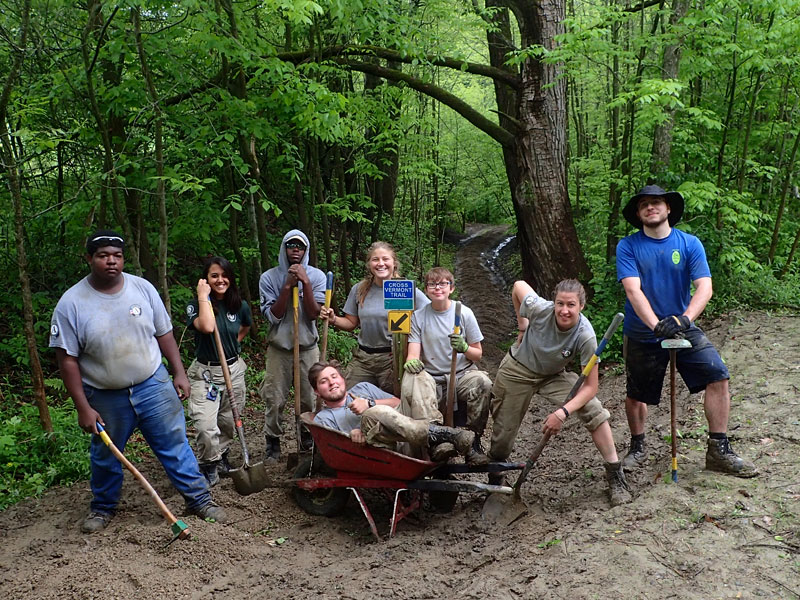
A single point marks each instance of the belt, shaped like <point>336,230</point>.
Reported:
<point>230,361</point>
<point>375,350</point>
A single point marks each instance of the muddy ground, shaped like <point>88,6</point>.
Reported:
<point>708,536</point>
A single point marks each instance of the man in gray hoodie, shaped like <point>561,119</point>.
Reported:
<point>275,288</point>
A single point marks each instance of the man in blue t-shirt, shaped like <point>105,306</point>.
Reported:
<point>656,266</point>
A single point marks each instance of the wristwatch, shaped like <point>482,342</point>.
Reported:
<point>371,402</point>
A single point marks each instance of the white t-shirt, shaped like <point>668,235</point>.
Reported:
<point>431,328</point>
<point>113,336</point>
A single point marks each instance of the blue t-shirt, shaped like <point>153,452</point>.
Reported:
<point>342,418</point>
<point>666,268</point>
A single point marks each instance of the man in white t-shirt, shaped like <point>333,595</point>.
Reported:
<point>110,330</point>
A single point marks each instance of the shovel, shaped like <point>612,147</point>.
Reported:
<point>294,458</point>
<point>180,531</point>
<point>673,345</point>
<point>248,479</point>
<point>504,510</point>
<point>451,384</point>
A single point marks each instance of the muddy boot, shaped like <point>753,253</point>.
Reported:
<point>618,490</point>
<point>96,521</point>
<point>721,457</point>
<point>210,512</point>
<point>460,438</point>
<point>224,467</point>
<point>209,471</point>
<point>636,457</point>
<point>306,441</point>
<point>273,449</point>
<point>443,452</point>
<point>476,456</point>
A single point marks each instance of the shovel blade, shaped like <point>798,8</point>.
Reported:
<point>249,479</point>
<point>503,510</point>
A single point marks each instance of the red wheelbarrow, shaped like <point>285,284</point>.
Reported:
<point>323,481</point>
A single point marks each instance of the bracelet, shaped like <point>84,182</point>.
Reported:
<point>334,320</point>
<point>566,412</point>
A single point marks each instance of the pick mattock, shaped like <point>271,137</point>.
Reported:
<point>673,345</point>
<point>179,529</point>
<point>248,479</point>
<point>507,509</point>
<point>451,383</point>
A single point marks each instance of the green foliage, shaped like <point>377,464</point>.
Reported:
<point>32,461</point>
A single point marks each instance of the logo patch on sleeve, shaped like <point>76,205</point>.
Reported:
<point>54,330</point>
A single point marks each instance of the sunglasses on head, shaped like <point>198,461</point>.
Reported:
<point>300,245</point>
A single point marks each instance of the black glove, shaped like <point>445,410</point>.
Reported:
<point>672,325</point>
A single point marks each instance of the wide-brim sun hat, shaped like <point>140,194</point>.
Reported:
<point>674,199</point>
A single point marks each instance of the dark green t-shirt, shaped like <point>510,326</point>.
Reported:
<point>228,324</point>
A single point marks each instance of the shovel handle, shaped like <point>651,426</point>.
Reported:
<point>296,365</point>
<point>323,353</point>
<point>226,374</point>
<point>451,384</point>
<point>139,477</point>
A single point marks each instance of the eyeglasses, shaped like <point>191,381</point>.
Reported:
<point>296,245</point>
<point>439,285</point>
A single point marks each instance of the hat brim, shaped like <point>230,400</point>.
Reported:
<point>674,199</point>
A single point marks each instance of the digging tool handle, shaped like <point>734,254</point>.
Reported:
<point>673,419</point>
<point>451,384</point>
<point>529,463</point>
<point>296,365</point>
<point>128,465</point>
<point>323,353</point>
<point>226,373</point>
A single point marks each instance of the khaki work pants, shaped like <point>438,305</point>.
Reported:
<point>278,380</point>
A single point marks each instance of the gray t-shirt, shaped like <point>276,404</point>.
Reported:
<point>342,418</point>
<point>431,328</point>
<point>113,336</point>
<point>373,317</point>
<point>545,349</point>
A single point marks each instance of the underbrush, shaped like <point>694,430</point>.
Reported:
<point>32,460</point>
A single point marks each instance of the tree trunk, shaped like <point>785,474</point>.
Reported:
<point>9,166</point>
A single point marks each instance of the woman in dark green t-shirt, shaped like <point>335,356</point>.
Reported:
<point>209,404</point>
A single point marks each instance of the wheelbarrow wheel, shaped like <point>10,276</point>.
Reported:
<point>324,502</point>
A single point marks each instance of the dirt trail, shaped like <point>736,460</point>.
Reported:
<point>709,536</point>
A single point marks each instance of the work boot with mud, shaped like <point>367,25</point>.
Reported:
<point>273,449</point>
<point>476,456</point>
<point>618,490</point>
<point>306,440</point>
<point>460,438</point>
<point>721,457</point>
<point>211,511</point>
<point>443,452</point>
<point>224,467</point>
<point>209,471</point>
<point>636,457</point>
<point>96,521</point>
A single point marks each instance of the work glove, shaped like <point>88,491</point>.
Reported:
<point>458,343</point>
<point>413,366</point>
<point>672,325</point>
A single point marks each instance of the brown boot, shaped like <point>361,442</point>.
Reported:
<point>618,490</point>
<point>721,457</point>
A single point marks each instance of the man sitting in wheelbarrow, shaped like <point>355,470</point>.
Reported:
<point>371,416</point>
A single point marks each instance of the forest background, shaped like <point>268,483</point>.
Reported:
<point>201,128</point>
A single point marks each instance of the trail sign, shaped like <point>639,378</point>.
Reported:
<point>398,294</point>
<point>400,321</point>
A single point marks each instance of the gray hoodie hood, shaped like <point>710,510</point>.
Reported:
<point>283,260</point>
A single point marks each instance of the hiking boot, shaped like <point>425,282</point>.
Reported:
<point>210,512</point>
<point>306,440</point>
<point>636,457</point>
<point>209,471</point>
<point>224,467</point>
<point>443,452</point>
<point>618,490</point>
<point>460,438</point>
<point>721,457</point>
<point>273,449</point>
<point>96,521</point>
<point>476,456</point>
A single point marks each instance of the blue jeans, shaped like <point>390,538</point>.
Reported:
<point>154,407</point>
